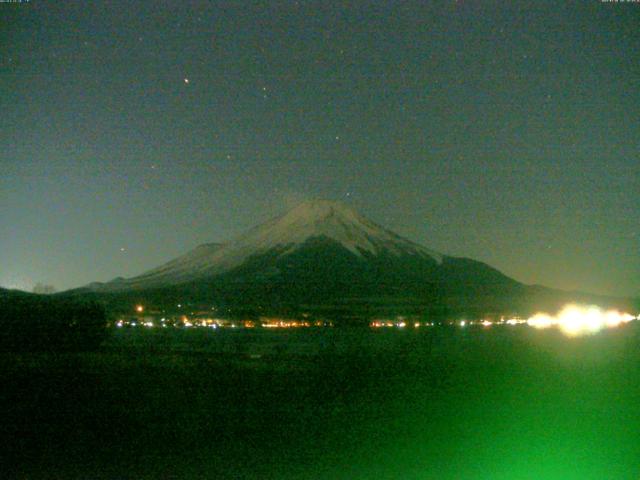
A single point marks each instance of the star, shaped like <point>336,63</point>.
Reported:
<point>186,80</point>
<point>122,249</point>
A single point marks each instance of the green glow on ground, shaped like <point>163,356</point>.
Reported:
<point>480,404</point>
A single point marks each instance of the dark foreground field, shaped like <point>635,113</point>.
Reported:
<point>503,403</point>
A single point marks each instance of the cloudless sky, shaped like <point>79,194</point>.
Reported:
<point>130,132</point>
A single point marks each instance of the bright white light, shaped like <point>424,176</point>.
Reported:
<point>540,320</point>
<point>463,323</point>
<point>575,320</point>
<point>486,323</point>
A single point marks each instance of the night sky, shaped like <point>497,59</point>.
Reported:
<point>130,132</point>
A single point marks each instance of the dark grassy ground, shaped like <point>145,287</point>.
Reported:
<point>507,403</point>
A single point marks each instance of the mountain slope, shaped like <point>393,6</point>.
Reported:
<point>178,270</point>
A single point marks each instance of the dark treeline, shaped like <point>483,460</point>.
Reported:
<point>31,322</point>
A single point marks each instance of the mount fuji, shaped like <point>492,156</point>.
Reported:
<point>325,255</point>
<point>321,252</point>
<point>308,225</point>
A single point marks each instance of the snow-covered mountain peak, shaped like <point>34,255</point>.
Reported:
<point>312,220</point>
<point>321,210</point>
<point>333,220</point>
